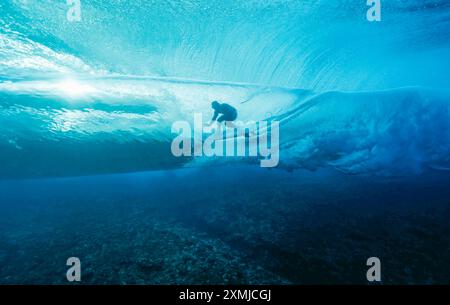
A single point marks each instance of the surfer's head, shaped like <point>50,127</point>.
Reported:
<point>215,104</point>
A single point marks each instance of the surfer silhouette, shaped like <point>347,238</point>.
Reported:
<point>223,112</point>
<point>227,112</point>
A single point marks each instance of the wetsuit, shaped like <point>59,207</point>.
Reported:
<point>227,113</point>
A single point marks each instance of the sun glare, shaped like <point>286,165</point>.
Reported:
<point>73,88</point>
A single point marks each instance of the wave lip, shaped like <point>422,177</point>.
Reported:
<point>318,45</point>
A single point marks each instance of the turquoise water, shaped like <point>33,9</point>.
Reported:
<point>86,110</point>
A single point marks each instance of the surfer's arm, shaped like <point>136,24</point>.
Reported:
<point>216,114</point>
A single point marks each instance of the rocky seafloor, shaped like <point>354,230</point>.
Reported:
<point>225,226</point>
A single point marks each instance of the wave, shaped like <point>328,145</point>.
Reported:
<point>123,124</point>
<point>100,95</point>
<point>318,45</point>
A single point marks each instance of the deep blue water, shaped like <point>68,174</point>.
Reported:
<point>86,170</point>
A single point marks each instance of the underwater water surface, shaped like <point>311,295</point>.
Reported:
<point>86,169</point>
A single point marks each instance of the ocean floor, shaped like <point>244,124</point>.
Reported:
<point>226,225</point>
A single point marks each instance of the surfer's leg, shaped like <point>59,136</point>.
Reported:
<point>219,134</point>
<point>222,118</point>
<point>228,119</point>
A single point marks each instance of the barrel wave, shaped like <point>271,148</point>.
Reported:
<point>99,96</point>
<point>89,108</point>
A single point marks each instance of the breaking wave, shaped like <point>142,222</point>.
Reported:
<point>99,96</point>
